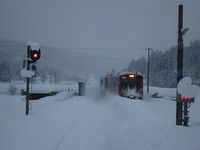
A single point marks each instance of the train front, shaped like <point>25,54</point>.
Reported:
<point>131,86</point>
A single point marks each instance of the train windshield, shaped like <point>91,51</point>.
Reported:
<point>123,82</point>
<point>131,83</point>
<point>126,82</point>
<point>139,81</point>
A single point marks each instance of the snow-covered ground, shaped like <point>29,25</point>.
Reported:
<point>95,122</point>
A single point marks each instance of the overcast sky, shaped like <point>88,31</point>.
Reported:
<point>120,24</point>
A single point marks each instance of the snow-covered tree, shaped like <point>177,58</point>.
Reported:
<point>163,65</point>
<point>5,74</point>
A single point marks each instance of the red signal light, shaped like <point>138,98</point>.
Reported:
<point>187,99</point>
<point>35,55</point>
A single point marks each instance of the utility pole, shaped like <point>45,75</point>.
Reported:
<point>55,78</point>
<point>179,64</point>
<point>180,110</point>
<point>148,64</point>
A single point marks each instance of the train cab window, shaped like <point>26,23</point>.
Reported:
<point>139,81</point>
<point>131,83</point>
<point>123,82</point>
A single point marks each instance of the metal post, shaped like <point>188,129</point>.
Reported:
<point>55,77</point>
<point>179,65</point>
<point>148,71</point>
<point>81,88</point>
<point>27,81</point>
<point>186,117</point>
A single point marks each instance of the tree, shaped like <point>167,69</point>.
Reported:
<point>5,74</point>
<point>163,65</point>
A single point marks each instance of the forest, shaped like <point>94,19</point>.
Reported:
<point>163,65</point>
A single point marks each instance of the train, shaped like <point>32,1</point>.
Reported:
<point>128,85</point>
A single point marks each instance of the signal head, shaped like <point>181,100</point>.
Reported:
<point>35,55</point>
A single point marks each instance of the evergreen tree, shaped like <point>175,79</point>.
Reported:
<point>163,65</point>
<point>5,74</point>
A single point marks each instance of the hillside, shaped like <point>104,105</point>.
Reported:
<point>163,65</point>
<point>55,63</point>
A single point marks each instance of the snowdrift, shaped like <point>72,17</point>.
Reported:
<point>94,122</point>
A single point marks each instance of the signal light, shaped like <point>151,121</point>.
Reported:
<point>35,55</point>
<point>187,99</point>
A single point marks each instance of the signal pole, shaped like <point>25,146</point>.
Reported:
<point>27,80</point>
<point>179,104</point>
<point>179,64</point>
<point>33,54</point>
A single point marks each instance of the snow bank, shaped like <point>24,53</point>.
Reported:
<point>95,123</point>
<point>27,73</point>
<point>186,89</point>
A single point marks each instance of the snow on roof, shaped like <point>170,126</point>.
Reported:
<point>126,72</point>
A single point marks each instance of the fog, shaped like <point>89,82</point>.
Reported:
<point>111,32</point>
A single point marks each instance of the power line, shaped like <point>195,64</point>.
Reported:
<point>79,48</point>
<point>14,46</point>
<point>99,49</point>
<point>85,49</point>
<point>92,58</point>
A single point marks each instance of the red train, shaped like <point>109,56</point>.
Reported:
<point>126,85</point>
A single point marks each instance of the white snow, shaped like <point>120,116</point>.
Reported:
<point>186,89</point>
<point>34,46</point>
<point>95,122</point>
<point>27,73</point>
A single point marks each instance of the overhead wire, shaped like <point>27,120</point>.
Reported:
<point>85,49</point>
<point>91,49</point>
<point>78,48</point>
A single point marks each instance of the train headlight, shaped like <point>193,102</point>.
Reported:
<point>131,76</point>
